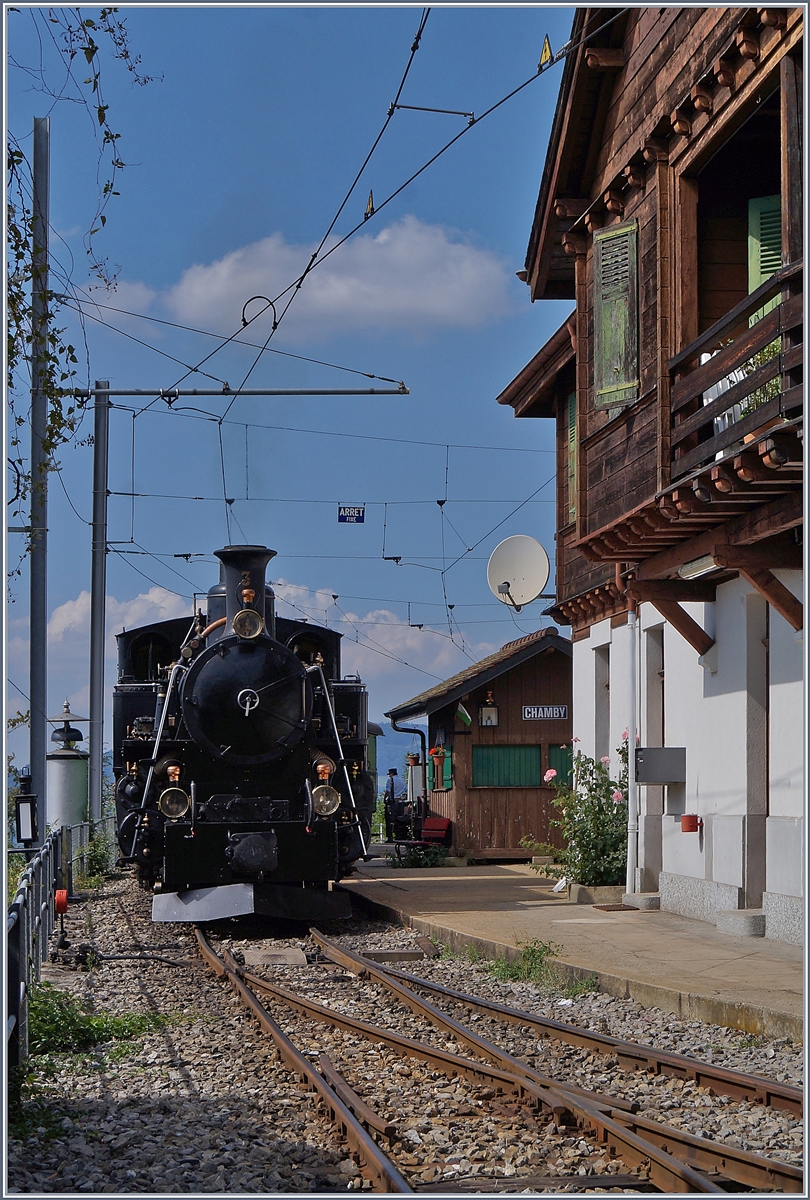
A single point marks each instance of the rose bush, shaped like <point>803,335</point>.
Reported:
<point>593,820</point>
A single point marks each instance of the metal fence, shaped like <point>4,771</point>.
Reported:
<point>87,849</point>
<point>69,854</point>
<point>29,927</point>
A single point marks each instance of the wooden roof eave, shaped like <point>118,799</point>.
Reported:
<point>531,393</point>
<point>578,109</point>
<point>468,681</point>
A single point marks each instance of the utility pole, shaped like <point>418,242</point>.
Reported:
<point>38,633</point>
<point>98,593</point>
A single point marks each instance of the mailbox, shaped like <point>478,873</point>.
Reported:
<point>661,764</point>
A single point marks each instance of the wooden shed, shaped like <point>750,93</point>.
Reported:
<point>494,730</point>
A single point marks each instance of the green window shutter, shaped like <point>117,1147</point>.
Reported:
<point>764,239</point>
<point>572,455</point>
<point>615,315</point>
<point>764,245</point>
<point>561,760</point>
<point>506,766</point>
<point>447,773</point>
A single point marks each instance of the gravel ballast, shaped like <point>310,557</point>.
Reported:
<point>204,1105</point>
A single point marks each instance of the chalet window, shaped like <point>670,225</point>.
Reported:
<point>615,315</point>
<point>506,766</point>
<point>571,412</point>
<point>445,776</point>
<point>560,759</point>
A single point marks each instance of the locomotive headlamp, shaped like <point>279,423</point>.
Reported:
<point>173,803</point>
<point>326,800</point>
<point>248,623</point>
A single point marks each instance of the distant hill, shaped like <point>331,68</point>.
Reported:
<point>391,751</point>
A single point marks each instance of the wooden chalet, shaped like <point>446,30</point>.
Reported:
<point>670,213</point>
<point>494,730</point>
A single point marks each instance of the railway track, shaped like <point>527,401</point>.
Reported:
<point>657,1156</point>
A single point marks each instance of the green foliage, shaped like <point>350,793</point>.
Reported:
<point>15,865</point>
<point>767,391</point>
<point>58,1024</point>
<point>531,967</point>
<point>419,856</point>
<point>593,821</point>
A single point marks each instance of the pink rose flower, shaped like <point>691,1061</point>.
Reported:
<point>575,739</point>
<point>549,775</point>
<point>605,759</point>
<point>618,797</point>
<point>625,735</point>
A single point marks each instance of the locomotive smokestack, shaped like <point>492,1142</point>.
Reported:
<point>244,568</point>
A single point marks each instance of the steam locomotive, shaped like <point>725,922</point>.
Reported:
<point>240,757</point>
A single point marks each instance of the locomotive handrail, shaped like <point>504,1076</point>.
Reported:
<point>176,668</point>
<point>317,667</point>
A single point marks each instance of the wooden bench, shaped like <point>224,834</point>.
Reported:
<point>435,832</point>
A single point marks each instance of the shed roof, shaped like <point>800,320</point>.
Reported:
<point>480,673</point>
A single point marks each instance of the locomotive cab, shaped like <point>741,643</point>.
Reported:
<point>240,757</point>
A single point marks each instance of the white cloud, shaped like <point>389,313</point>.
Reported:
<point>409,276</point>
<point>373,643</point>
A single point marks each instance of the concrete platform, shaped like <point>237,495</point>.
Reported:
<point>683,966</point>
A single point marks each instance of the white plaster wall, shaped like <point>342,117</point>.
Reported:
<point>784,840</point>
<point>584,716</point>
<point>620,691</point>
<point>705,710</point>
<point>786,749</point>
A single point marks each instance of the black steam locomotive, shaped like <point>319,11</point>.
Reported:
<point>241,757</point>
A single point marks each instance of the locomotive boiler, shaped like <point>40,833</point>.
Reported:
<point>240,757</point>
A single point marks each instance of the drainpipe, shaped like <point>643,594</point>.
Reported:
<point>632,787</point>
<point>423,740</point>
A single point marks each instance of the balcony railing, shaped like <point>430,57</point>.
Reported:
<point>729,384</point>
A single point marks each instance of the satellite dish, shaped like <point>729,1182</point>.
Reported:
<point>517,570</point>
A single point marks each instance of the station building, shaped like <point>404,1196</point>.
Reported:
<point>670,214</point>
<point>493,731</point>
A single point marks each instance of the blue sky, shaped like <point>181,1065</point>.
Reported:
<point>238,155</point>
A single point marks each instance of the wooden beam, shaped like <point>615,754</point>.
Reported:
<point>680,590</point>
<point>746,558</point>
<point>769,519</point>
<point>792,129</point>
<point>777,595</point>
<point>688,628</point>
<point>570,208</point>
<point>599,59</point>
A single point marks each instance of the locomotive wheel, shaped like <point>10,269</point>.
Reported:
<point>246,702</point>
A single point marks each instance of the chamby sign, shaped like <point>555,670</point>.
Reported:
<point>351,514</point>
<point>545,712</point>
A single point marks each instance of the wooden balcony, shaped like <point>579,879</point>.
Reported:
<point>736,425</point>
<point>738,387</point>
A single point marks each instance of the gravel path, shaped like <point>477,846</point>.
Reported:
<point>203,1105</point>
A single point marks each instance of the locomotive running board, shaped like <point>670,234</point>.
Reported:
<point>241,899</point>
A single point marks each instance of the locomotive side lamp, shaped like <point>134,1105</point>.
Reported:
<point>173,803</point>
<point>326,800</point>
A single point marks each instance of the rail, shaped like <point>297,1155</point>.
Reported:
<point>28,930</point>
<point>727,384</point>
